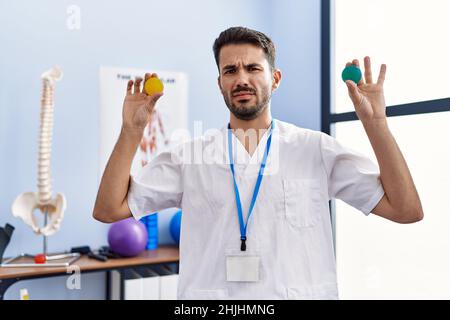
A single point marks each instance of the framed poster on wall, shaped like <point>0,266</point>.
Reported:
<point>170,113</point>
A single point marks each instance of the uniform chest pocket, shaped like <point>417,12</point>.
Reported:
<point>302,202</point>
<point>218,187</point>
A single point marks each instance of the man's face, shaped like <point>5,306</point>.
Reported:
<point>246,80</point>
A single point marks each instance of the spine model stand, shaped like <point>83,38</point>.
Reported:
<point>26,203</point>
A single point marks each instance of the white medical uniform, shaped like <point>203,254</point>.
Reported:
<point>289,228</point>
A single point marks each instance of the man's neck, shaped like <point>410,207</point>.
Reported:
<point>262,122</point>
<point>244,129</point>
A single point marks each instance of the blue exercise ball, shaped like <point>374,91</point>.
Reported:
<point>175,226</point>
<point>127,237</point>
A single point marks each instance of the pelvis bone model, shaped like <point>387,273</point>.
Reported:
<point>26,203</point>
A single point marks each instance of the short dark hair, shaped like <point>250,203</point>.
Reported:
<point>242,35</point>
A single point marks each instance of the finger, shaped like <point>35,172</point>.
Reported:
<point>382,74</point>
<point>348,64</point>
<point>367,70</point>
<point>151,101</point>
<point>156,96</point>
<point>356,63</point>
<point>129,86</point>
<point>351,86</point>
<point>137,85</point>
<point>353,92</point>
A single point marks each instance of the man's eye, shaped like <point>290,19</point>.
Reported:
<point>253,69</point>
<point>230,71</point>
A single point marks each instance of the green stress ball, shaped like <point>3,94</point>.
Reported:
<point>353,73</point>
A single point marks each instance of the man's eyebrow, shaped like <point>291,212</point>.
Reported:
<point>233,66</point>
<point>251,65</point>
<point>229,66</point>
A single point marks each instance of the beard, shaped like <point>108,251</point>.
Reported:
<point>242,109</point>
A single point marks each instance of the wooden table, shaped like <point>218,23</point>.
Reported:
<point>162,255</point>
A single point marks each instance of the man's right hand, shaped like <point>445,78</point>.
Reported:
<point>138,105</point>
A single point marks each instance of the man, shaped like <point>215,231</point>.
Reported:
<point>256,221</point>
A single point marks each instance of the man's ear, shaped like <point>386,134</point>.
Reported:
<point>276,77</point>
<point>218,82</point>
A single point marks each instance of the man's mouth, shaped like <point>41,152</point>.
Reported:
<point>243,95</point>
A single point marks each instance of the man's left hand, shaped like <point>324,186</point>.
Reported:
<point>368,97</point>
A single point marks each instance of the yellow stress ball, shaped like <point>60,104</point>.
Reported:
<point>153,85</point>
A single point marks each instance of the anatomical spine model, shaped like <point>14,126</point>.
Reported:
<point>26,203</point>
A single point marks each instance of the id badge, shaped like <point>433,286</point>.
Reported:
<point>242,268</point>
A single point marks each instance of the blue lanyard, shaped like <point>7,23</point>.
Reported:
<point>243,227</point>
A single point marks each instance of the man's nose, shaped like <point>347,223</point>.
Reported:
<point>242,79</point>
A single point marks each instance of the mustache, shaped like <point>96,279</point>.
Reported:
<point>243,89</point>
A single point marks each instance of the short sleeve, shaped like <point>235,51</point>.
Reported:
<point>352,177</point>
<point>157,186</point>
